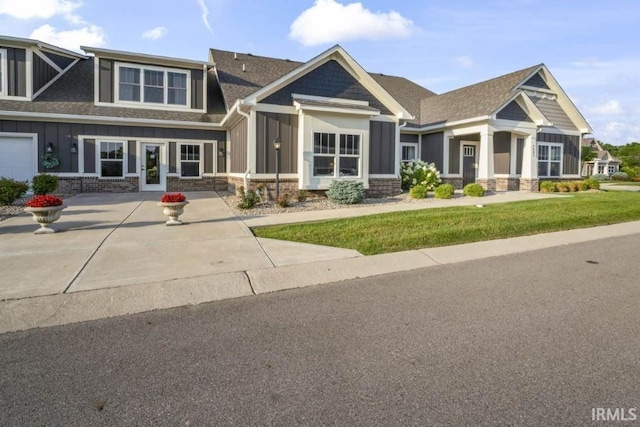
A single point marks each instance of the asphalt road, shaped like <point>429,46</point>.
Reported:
<point>539,338</point>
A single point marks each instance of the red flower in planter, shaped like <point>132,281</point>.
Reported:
<point>44,201</point>
<point>173,198</point>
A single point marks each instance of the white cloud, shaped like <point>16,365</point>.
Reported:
<point>40,9</point>
<point>70,39</point>
<point>611,107</point>
<point>205,15</point>
<point>328,21</point>
<point>155,33</point>
<point>465,61</point>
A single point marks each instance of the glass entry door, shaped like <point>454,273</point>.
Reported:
<point>152,173</point>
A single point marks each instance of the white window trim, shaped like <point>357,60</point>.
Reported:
<point>410,144</point>
<point>336,156</point>
<point>125,156</point>
<point>3,69</point>
<point>549,161</point>
<point>179,160</point>
<point>152,105</point>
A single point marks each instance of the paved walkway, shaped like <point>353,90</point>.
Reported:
<point>113,255</point>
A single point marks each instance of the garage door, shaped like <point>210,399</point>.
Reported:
<point>17,158</point>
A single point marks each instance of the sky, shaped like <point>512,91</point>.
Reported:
<point>592,47</point>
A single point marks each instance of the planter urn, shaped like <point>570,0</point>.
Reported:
<point>45,217</point>
<point>173,210</point>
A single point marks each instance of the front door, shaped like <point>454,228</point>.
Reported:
<point>469,164</point>
<point>152,173</point>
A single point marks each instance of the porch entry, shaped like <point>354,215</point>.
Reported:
<point>469,164</point>
<point>152,168</point>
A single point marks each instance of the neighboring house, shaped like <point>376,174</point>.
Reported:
<point>602,163</point>
<point>121,121</point>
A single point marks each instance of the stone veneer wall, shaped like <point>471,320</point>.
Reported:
<point>287,186</point>
<point>487,184</point>
<point>207,183</point>
<point>507,184</point>
<point>93,184</point>
<point>382,187</point>
<point>527,184</point>
<point>456,182</point>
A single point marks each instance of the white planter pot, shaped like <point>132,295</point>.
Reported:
<point>173,211</point>
<point>45,217</point>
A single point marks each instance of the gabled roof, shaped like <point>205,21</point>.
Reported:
<point>478,100</point>
<point>406,92</point>
<point>73,94</point>
<point>23,42</point>
<point>144,58</point>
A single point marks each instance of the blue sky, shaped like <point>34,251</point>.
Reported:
<point>591,47</point>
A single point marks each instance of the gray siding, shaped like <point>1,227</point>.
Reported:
<point>409,137</point>
<point>90,155</point>
<point>16,72</point>
<point>269,126</point>
<point>571,150</point>
<point>329,80</point>
<point>61,61</point>
<point>238,141</point>
<point>43,73</point>
<point>208,158</point>
<point>173,159</point>
<point>197,89</point>
<point>432,149</point>
<point>537,81</point>
<point>513,112</point>
<point>106,70</point>
<point>132,156</point>
<point>382,148</point>
<point>222,160</point>
<point>519,155</point>
<point>454,155</point>
<point>62,135</point>
<point>554,112</point>
<point>502,152</point>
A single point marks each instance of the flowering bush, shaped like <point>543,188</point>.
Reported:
<point>173,198</point>
<point>418,172</point>
<point>43,201</point>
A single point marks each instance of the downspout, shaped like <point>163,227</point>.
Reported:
<point>248,117</point>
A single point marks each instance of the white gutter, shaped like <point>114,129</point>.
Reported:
<point>450,124</point>
<point>248,117</point>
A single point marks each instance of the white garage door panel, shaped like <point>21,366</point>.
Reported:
<point>16,158</point>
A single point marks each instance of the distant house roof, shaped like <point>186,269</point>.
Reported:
<point>73,94</point>
<point>480,99</point>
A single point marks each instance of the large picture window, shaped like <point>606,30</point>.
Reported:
<point>150,85</point>
<point>549,160</point>
<point>329,162</point>
<point>190,160</point>
<point>111,159</point>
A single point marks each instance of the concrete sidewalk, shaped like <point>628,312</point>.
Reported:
<point>113,255</point>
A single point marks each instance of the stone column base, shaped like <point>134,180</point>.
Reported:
<point>487,184</point>
<point>529,184</point>
<point>507,184</point>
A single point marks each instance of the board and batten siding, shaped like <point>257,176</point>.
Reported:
<point>272,125</point>
<point>570,150</point>
<point>16,78</point>
<point>238,147</point>
<point>502,152</point>
<point>382,148</point>
<point>432,149</point>
<point>43,73</point>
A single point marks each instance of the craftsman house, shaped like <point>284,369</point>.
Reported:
<point>119,121</point>
<point>603,162</point>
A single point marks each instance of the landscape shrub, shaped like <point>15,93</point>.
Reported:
<point>418,192</point>
<point>563,187</point>
<point>574,185</point>
<point>346,192</point>
<point>283,200</point>
<point>418,172</point>
<point>444,191</point>
<point>473,190</point>
<point>592,184</point>
<point>583,185</point>
<point>631,172</point>
<point>302,195</point>
<point>44,183</point>
<point>620,176</point>
<point>248,198</point>
<point>11,190</point>
<point>548,187</point>
<point>599,177</point>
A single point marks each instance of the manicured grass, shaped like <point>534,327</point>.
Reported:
<point>399,231</point>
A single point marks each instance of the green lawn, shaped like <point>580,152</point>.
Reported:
<point>400,231</point>
<point>632,183</point>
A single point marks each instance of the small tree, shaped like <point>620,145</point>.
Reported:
<point>587,154</point>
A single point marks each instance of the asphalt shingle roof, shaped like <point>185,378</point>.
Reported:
<point>73,94</point>
<point>480,99</point>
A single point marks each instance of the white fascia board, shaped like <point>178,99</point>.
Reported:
<point>26,43</point>
<point>148,59</point>
<point>338,110</point>
<point>445,125</point>
<point>296,96</point>
<point>526,79</point>
<point>71,118</point>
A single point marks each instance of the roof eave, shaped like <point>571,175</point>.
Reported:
<point>137,57</point>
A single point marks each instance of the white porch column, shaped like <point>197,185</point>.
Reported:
<point>529,177</point>
<point>486,176</point>
<point>445,152</point>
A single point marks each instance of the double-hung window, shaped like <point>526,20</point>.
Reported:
<point>111,159</point>
<point>190,160</point>
<point>3,72</point>
<point>408,151</point>
<point>612,169</point>
<point>152,85</point>
<point>332,161</point>
<point>549,160</point>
